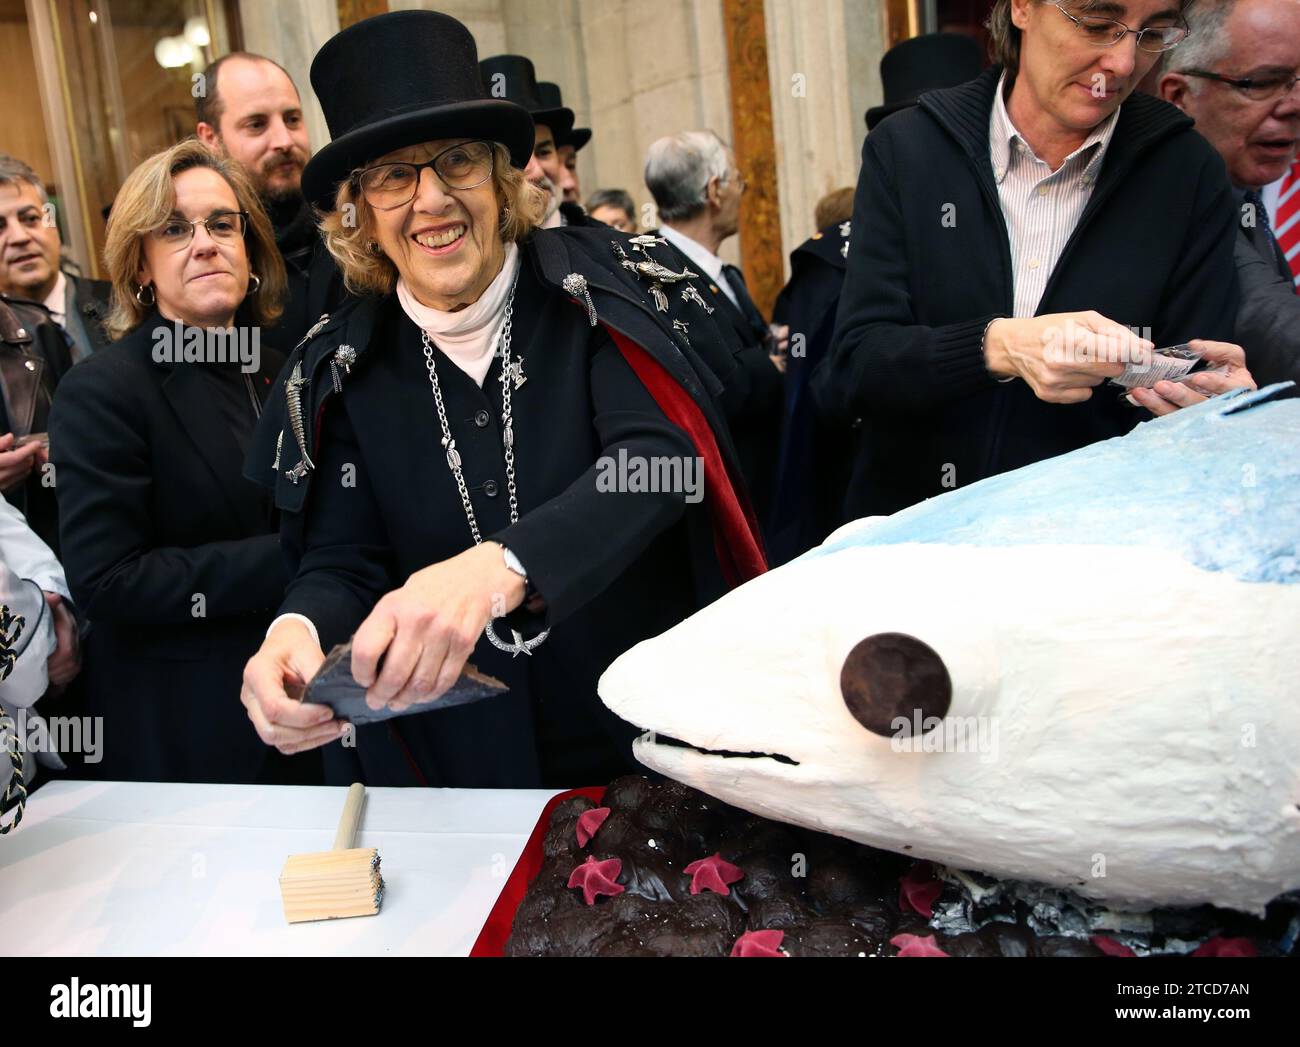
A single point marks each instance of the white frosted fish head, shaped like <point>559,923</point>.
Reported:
<point>1096,698</point>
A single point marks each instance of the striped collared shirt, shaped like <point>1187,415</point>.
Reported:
<point>1041,206</point>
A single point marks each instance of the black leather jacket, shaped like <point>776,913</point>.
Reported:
<point>34,355</point>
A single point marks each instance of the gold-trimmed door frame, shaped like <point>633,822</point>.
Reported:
<point>754,143</point>
<point>353,11</point>
<point>56,102</point>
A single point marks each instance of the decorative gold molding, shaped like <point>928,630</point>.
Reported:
<point>903,18</point>
<point>351,11</point>
<point>92,267</point>
<point>754,143</point>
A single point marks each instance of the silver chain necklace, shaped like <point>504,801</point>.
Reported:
<point>510,370</point>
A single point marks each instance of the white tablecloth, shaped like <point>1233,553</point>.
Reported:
<point>125,868</point>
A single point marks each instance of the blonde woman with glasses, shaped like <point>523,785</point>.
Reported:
<point>170,553</point>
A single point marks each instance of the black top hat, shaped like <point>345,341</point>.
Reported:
<point>399,79</point>
<point>550,96</point>
<point>924,63</point>
<point>513,77</point>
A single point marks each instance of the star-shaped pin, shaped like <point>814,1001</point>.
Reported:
<point>589,823</point>
<point>916,945</point>
<point>597,878</point>
<point>713,874</point>
<point>759,943</point>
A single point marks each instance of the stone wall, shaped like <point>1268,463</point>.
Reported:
<point>291,32</point>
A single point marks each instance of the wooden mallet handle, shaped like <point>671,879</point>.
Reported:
<point>351,815</point>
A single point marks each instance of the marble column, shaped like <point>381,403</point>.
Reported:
<point>291,32</point>
<point>485,19</point>
<point>648,71</point>
<point>824,60</point>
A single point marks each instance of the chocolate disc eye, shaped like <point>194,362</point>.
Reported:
<point>889,675</point>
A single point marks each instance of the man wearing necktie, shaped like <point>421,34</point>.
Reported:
<point>698,190</point>
<point>740,296</point>
<point>1287,226</point>
<point>1238,77</point>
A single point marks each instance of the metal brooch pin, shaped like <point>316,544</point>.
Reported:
<point>846,228</point>
<point>661,273</point>
<point>293,401</point>
<point>641,243</point>
<point>622,257</point>
<point>344,357</point>
<point>648,267</point>
<point>515,372</point>
<point>314,330</point>
<point>575,284</point>
<point>683,328</point>
<point>691,294</point>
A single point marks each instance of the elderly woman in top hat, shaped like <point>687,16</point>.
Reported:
<point>461,458</point>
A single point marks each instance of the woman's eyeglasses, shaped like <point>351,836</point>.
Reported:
<point>1257,89</point>
<point>224,227</point>
<point>464,166</point>
<point>1106,32</point>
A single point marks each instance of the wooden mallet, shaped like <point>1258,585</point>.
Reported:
<point>330,885</point>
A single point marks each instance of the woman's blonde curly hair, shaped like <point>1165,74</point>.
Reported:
<point>366,270</point>
<point>145,201</point>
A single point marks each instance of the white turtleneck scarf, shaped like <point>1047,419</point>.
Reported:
<point>466,337</point>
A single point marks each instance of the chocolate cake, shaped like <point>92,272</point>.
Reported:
<point>659,869</point>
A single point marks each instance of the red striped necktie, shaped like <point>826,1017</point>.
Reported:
<point>1287,226</point>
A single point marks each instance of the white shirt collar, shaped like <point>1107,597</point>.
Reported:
<point>701,256</point>
<point>1003,135</point>
<point>57,301</point>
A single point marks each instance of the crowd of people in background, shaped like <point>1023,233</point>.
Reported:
<point>449,343</point>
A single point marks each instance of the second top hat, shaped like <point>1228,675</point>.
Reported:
<point>924,63</point>
<point>513,77</point>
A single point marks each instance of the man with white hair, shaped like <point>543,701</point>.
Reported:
<point>697,189</point>
<point>1238,77</point>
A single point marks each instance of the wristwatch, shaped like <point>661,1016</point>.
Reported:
<point>513,564</point>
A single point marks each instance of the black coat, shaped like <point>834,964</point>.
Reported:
<point>314,285</point>
<point>816,455</point>
<point>88,313</point>
<point>1153,249</point>
<point>154,512</point>
<point>614,568</point>
<point>1268,318</point>
<point>755,416</point>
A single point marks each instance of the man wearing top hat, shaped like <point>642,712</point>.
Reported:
<point>449,452</point>
<point>513,78</point>
<point>569,146</point>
